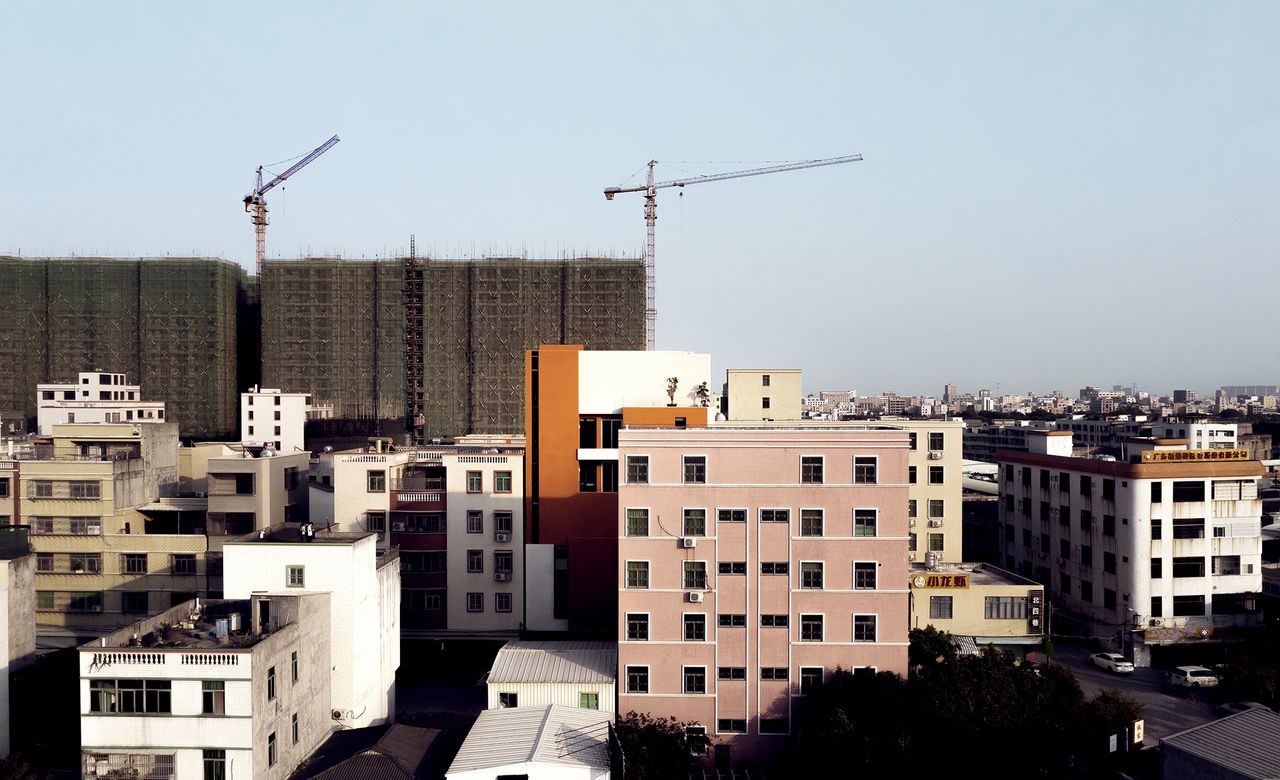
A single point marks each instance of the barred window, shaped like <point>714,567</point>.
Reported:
<point>1006,608</point>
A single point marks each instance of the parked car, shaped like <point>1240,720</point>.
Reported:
<point>1231,708</point>
<point>1112,662</point>
<point>1192,677</point>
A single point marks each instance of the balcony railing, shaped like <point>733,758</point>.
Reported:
<point>418,484</point>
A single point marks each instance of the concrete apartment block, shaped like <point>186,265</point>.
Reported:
<point>271,416</point>
<point>763,394</point>
<point>94,397</point>
<point>753,562</point>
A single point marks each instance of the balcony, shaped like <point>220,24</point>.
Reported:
<point>418,493</point>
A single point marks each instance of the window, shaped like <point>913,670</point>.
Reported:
<point>1157,606</point>
<point>811,522</point>
<point>774,673</point>
<point>637,627</point>
<point>135,562</point>
<point>215,764</point>
<point>475,602</point>
<point>940,607</point>
<point>1187,606</point>
<point>637,574</point>
<point>732,673</point>
<point>936,440</point>
<point>1109,562</point>
<point>1108,598</point>
<point>811,574</point>
<point>507,700</point>
<point>764,380</point>
<point>811,628</point>
<point>774,567</point>
<point>4,488</point>
<point>502,481</point>
<point>1188,491</point>
<point>911,507</point>
<point>1226,565</point>
<point>1086,485</point>
<point>864,522</point>
<point>695,627</point>
<point>731,726</point>
<point>637,679</point>
<point>638,469</point>
<point>1064,549</point>
<point>293,666</point>
<point>695,522</point>
<point>937,542</point>
<point>41,489</point>
<point>502,522</point>
<point>935,475</point>
<point>475,482</point>
<point>134,602</point>
<point>1188,528</point>
<point>271,683</point>
<point>733,621</point>
<point>588,701</point>
<point>1156,528</point>
<point>732,567</point>
<point>864,575</point>
<point>695,575</point>
<point>911,542</point>
<point>774,621</point>
<point>864,471</point>
<point>502,602</point>
<point>1157,492</point>
<point>1086,555</point>
<point>1007,607</point>
<point>213,696</point>
<point>271,749</point>
<point>475,561</point>
<point>587,473</point>
<point>1188,567</point>
<point>85,489</point>
<point>1108,525</point>
<point>811,469</point>
<point>810,679</point>
<point>637,522</point>
<point>695,679</point>
<point>504,563</point>
<point>695,469</point>
<point>1086,591</point>
<point>377,481</point>
<point>864,627</point>
<point>774,725</point>
<point>1064,483</point>
<point>295,576</point>
<point>91,563</point>
<point>731,515</point>
<point>935,507</point>
<point>911,475</point>
<point>44,562</point>
<point>775,515</point>
<point>1157,568</point>
<point>764,402</point>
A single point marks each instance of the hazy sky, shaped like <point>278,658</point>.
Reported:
<point>1052,195</point>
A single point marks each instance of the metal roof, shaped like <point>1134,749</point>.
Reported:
<point>1244,743</point>
<point>553,734</point>
<point>555,662</point>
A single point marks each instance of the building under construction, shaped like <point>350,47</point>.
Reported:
<point>437,346</point>
<point>172,324</point>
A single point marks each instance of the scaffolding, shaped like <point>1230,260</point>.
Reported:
<point>170,323</point>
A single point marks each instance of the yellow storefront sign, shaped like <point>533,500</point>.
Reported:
<point>1189,456</point>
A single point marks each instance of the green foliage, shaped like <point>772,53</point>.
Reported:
<point>1253,671</point>
<point>656,748</point>
<point>930,646</point>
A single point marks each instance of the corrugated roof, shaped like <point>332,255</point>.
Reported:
<point>552,734</point>
<point>555,662</point>
<point>1244,743</point>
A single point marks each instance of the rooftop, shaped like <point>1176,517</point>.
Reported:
<point>979,573</point>
<point>1244,743</point>
<point>292,533</point>
<point>195,624</point>
<point>553,734</point>
<point>386,752</point>
<point>558,662</point>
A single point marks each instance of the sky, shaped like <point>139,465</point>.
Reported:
<point>1052,195</point>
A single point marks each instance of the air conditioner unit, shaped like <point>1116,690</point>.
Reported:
<point>688,542</point>
<point>695,597</point>
<point>502,537</point>
<point>502,576</point>
<point>911,522</point>
<point>935,455</point>
<point>911,556</point>
<point>397,526</point>
<point>935,523</point>
<point>1155,622</point>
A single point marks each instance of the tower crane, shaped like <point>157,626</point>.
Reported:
<point>650,190</point>
<point>255,200</point>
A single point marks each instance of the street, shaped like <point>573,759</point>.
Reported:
<point>1167,713</point>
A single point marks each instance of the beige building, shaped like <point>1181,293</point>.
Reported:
<point>9,470</point>
<point>763,394</point>
<point>978,602</point>
<point>18,621</point>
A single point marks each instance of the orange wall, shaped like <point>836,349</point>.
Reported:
<point>557,431</point>
<point>664,416</point>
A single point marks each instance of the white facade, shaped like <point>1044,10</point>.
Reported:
<point>270,416</point>
<point>570,674</point>
<point>611,380</point>
<point>95,397</point>
<point>1210,435</point>
<point>364,590</point>
<point>1167,549</point>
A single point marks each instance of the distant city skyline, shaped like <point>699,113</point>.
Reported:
<point>1047,190</point>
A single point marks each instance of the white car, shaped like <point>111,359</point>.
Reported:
<point>1192,677</point>
<point>1112,662</point>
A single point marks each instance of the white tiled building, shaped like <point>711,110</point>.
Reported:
<point>95,397</point>
<point>271,416</point>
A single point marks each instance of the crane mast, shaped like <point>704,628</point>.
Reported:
<point>650,190</point>
<point>255,203</point>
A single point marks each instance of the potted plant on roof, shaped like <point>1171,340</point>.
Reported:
<point>703,394</point>
<point>672,383</point>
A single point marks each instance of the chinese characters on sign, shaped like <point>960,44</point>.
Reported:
<point>1035,612</point>
<point>1167,456</point>
<point>940,581</point>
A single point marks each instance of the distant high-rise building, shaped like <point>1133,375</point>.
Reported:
<point>1184,396</point>
<point>948,393</point>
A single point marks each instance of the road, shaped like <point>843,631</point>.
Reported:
<point>1167,713</point>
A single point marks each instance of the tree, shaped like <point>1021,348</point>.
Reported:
<point>929,646</point>
<point>656,747</point>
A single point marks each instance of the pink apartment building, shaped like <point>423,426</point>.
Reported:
<point>752,563</point>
